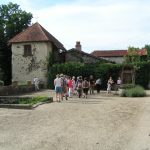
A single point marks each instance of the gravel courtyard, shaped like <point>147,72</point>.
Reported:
<point>101,122</point>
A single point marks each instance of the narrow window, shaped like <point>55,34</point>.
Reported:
<point>27,50</point>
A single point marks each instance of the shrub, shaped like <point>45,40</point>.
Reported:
<point>136,91</point>
<point>127,86</point>
<point>102,70</point>
<point>143,74</point>
<point>1,83</point>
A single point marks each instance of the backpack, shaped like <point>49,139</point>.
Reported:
<point>79,84</point>
<point>64,83</point>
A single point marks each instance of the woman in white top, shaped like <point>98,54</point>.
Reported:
<point>58,88</point>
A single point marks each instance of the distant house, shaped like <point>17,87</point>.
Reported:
<point>30,50</point>
<point>116,56</point>
<point>77,55</point>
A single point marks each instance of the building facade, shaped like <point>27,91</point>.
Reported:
<point>30,52</point>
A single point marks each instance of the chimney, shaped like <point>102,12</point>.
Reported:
<point>78,45</point>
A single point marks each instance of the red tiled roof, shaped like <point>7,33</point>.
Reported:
<point>109,53</point>
<point>36,33</point>
<point>116,53</point>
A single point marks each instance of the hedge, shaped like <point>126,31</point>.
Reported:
<point>102,70</point>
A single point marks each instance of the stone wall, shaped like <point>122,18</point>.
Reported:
<point>117,60</point>
<point>15,90</point>
<point>26,68</point>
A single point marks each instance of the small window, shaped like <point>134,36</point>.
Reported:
<point>27,50</point>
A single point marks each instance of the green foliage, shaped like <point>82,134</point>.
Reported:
<point>71,69</point>
<point>127,86</point>
<point>1,74</point>
<point>104,71</point>
<point>136,91</point>
<point>33,100</point>
<point>143,74</point>
<point>1,83</point>
<point>148,51</point>
<point>132,55</point>
<point>50,59</point>
<point>13,20</point>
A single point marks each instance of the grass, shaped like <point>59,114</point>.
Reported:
<point>33,100</point>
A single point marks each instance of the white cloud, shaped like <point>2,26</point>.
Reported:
<point>97,27</point>
<point>109,24</point>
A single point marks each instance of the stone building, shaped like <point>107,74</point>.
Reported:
<point>116,56</point>
<point>77,55</point>
<point>30,51</point>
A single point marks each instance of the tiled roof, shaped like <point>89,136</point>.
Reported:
<point>36,33</point>
<point>81,52</point>
<point>109,53</point>
<point>84,53</point>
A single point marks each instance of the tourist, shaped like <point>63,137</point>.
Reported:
<point>64,87</point>
<point>58,88</point>
<point>70,86</point>
<point>109,85</point>
<point>92,84</point>
<point>85,86</point>
<point>79,86</point>
<point>36,83</point>
<point>119,82</point>
<point>98,85</point>
<point>73,85</point>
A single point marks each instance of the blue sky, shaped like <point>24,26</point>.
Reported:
<point>98,25</point>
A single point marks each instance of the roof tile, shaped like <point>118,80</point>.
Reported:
<point>36,33</point>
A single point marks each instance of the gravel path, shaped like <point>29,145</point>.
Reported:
<point>101,122</point>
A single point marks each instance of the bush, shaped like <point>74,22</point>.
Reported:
<point>143,74</point>
<point>136,91</point>
<point>102,70</point>
<point>127,86</point>
<point>98,70</point>
<point>1,83</point>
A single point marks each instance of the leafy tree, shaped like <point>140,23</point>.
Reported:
<point>133,58</point>
<point>148,51</point>
<point>12,21</point>
<point>132,55</point>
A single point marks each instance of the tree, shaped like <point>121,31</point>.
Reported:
<point>132,55</point>
<point>148,51</point>
<point>132,58</point>
<point>13,20</point>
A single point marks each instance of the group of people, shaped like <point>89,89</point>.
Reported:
<point>65,86</point>
<point>111,83</point>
